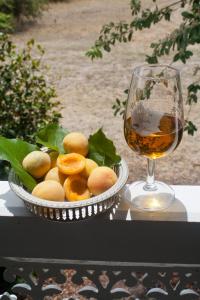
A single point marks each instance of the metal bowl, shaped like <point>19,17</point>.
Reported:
<point>71,211</point>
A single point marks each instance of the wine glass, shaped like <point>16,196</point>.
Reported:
<point>153,128</point>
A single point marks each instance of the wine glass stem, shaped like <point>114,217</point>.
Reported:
<point>150,182</point>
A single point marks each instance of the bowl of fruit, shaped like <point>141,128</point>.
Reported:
<point>65,176</point>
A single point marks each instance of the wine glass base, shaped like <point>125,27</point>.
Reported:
<point>147,200</point>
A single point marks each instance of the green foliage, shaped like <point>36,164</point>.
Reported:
<point>190,127</point>
<point>119,105</point>
<point>178,42</point>
<point>109,35</point>
<point>6,6</point>
<point>123,31</point>
<point>13,10</point>
<point>193,89</point>
<point>52,137</point>
<point>14,151</point>
<point>28,8</point>
<point>6,22</point>
<point>6,15</point>
<point>27,101</point>
<point>102,150</point>
<point>94,52</point>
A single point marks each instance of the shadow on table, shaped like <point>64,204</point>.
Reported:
<point>126,211</point>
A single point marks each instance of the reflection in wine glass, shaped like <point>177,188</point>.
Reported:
<point>153,127</point>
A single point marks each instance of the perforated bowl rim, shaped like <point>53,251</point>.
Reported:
<point>17,187</point>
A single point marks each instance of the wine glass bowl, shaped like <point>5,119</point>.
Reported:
<point>153,128</point>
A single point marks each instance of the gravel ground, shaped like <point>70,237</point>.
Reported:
<point>87,90</point>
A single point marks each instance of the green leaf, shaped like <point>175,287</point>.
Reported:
<point>94,52</point>
<point>151,59</point>
<point>14,151</point>
<point>102,150</point>
<point>187,15</point>
<point>192,98</point>
<point>135,6</point>
<point>126,91</point>
<point>190,127</point>
<point>193,88</point>
<point>176,57</point>
<point>52,136</point>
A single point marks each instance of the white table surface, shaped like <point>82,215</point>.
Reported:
<point>185,208</point>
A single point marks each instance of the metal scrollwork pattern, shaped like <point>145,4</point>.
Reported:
<point>55,281</point>
<point>33,281</point>
<point>7,296</point>
<point>139,285</point>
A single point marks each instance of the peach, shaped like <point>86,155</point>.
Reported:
<point>76,142</point>
<point>76,189</point>
<point>37,163</point>
<point>90,165</point>
<point>55,174</point>
<point>70,164</point>
<point>49,190</point>
<point>101,179</point>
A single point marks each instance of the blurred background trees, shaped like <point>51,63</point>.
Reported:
<point>14,11</point>
<point>28,101</point>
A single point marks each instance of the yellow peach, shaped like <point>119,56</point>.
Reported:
<point>101,179</point>
<point>55,174</point>
<point>90,165</point>
<point>37,163</point>
<point>70,164</point>
<point>49,190</point>
<point>76,142</point>
<point>76,189</point>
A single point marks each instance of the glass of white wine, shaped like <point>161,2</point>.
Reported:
<point>153,128</point>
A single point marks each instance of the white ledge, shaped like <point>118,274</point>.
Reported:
<point>185,208</point>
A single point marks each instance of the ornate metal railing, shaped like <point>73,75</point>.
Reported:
<point>41,279</point>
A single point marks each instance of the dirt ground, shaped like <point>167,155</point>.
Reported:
<point>88,90</point>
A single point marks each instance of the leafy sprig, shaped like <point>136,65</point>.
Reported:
<point>119,105</point>
<point>28,102</point>
<point>123,31</point>
<point>178,42</point>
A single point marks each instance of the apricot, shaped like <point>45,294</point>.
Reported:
<point>90,165</point>
<point>70,164</point>
<point>76,142</point>
<point>55,174</point>
<point>53,156</point>
<point>49,190</point>
<point>37,163</point>
<point>101,179</point>
<point>76,189</point>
